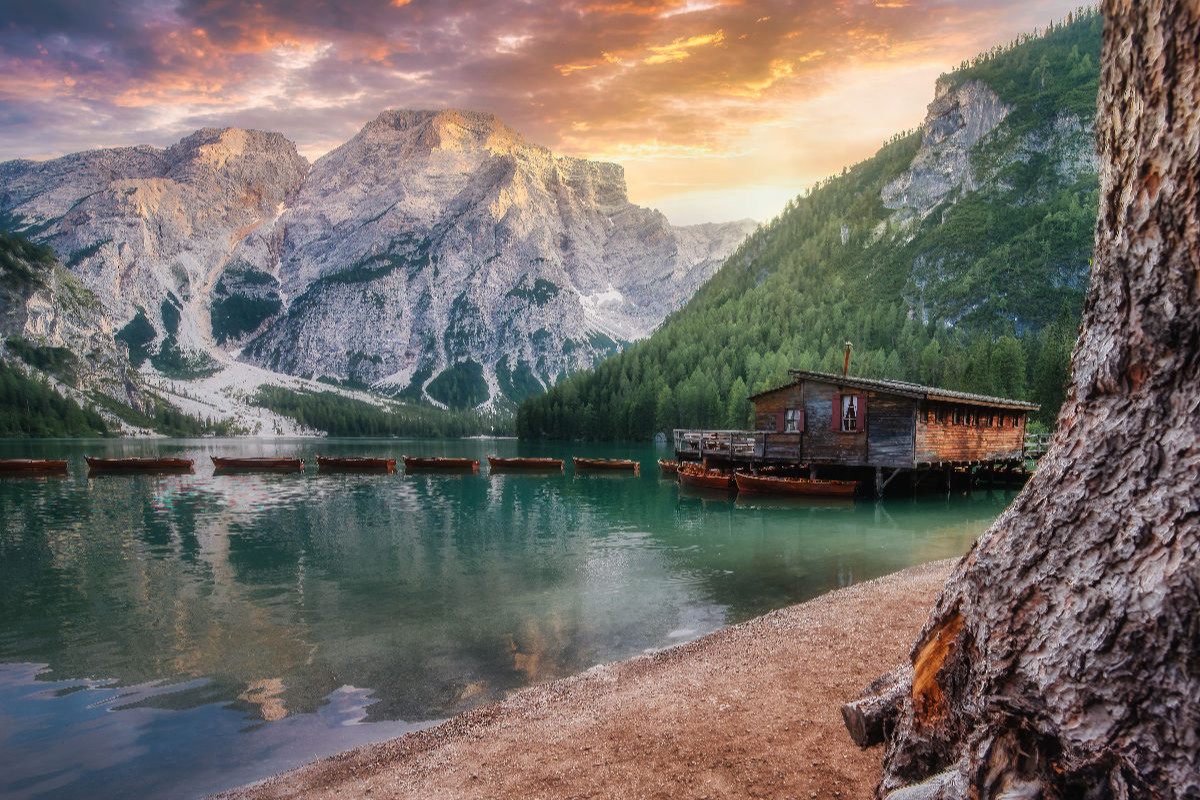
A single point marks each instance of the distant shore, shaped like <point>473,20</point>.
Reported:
<point>751,710</point>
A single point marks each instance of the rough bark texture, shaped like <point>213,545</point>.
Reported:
<point>871,718</point>
<point>1062,659</point>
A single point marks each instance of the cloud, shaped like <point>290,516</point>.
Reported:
<point>611,78</point>
<point>681,48</point>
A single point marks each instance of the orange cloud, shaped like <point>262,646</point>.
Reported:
<point>681,48</point>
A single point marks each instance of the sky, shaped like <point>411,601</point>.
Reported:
<point>717,109</point>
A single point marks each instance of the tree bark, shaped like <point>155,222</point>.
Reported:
<point>1062,659</point>
<point>871,718</point>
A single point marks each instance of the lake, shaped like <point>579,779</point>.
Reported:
<point>179,635</point>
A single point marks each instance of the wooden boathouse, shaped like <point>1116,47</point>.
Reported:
<point>847,426</point>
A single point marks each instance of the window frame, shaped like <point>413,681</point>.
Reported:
<point>860,412</point>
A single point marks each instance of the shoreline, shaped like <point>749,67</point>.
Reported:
<point>750,710</point>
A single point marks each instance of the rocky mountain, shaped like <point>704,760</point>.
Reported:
<point>436,255</point>
<point>150,231</point>
<point>50,321</point>
<point>971,167</point>
<point>439,252</point>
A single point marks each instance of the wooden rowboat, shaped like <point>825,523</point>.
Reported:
<point>700,478</point>
<point>228,465</point>
<point>668,467</point>
<point>545,464</point>
<point>32,466</point>
<point>138,464</point>
<point>811,487</point>
<point>455,464</point>
<point>606,464</point>
<point>356,464</point>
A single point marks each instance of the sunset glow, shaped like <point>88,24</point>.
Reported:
<point>717,110</point>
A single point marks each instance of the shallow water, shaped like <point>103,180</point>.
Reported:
<point>179,635</point>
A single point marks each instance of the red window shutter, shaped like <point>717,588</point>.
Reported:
<point>862,413</point>
<point>780,421</point>
<point>801,414</point>
<point>837,412</point>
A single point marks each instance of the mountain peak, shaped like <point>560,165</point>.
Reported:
<point>216,146</point>
<point>447,129</point>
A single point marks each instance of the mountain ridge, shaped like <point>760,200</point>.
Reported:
<point>434,244</point>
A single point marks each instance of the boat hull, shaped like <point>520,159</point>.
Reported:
<point>795,487</point>
<point>668,468</point>
<point>442,464</point>
<point>142,465</point>
<point>707,480</point>
<point>525,464</point>
<point>356,464</point>
<point>231,465</point>
<point>610,464</point>
<point>32,466</point>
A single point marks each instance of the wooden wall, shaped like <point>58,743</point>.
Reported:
<point>822,444</point>
<point>893,438</point>
<point>767,407</point>
<point>890,434</point>
<point>947,440</point>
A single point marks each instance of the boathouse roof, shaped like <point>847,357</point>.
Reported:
<point>902,388</point>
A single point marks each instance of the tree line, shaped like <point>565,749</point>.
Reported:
<point>32,408</point>
<point>338,415</point>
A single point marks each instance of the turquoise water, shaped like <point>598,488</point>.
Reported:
<point>179,635</point>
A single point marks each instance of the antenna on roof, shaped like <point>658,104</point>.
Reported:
<point>846,363</point>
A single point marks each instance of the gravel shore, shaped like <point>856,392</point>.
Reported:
<point>749,711</point>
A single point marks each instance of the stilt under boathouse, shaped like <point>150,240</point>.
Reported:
<point>838,426</point>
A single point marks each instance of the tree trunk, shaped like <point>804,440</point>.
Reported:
<point>1062,659</point>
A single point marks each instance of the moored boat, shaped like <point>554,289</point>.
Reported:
<point>698,477</point>
<point>545,464</point>
<point>223,464</point>
<point>32,466</point>
<point>356,464</point>
<point>668,467</point>
<point>606,464</point>
<point>452,464</point>
<point>138,464</point>
<point>811,487</point>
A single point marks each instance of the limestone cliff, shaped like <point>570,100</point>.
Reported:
<point>974,210</point>
<point>435,254</point>
<point>150,231</point>
<point>443,244</point>
<point>957,119</point>
<point>56,327</point>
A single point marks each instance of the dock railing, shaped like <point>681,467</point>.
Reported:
<point>1036,445</point>
<point>736,445</point>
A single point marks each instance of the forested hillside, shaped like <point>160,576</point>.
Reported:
<point>979,289</point>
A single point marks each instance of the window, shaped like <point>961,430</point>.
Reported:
<point>793,420</point>
<point>1017,420</point>
<point>850,413</point>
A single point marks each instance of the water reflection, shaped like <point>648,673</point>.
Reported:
<point>245,609</point>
